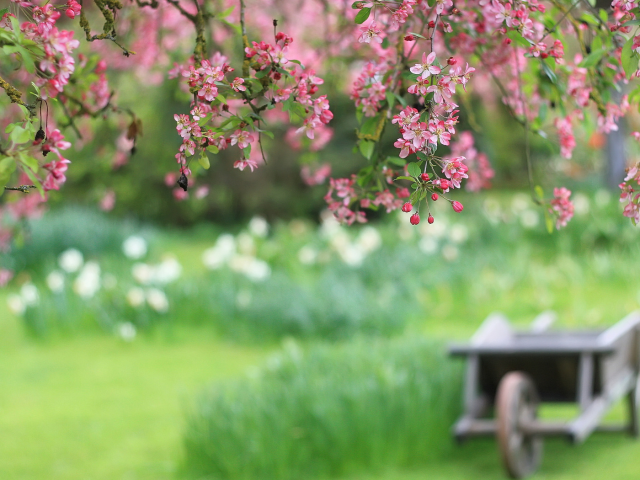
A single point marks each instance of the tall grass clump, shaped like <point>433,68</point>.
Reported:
<point>327,411</point>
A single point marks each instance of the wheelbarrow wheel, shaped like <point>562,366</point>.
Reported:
<point>516,404</point>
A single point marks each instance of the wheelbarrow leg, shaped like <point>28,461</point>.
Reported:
<point>516,403</point>
<point>633,402</point>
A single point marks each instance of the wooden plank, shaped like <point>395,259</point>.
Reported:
<point>471,384</point>
<point>543,321</point>
<point>589,419</point>
<point>623,327</point>
<point>585,381</point>
<point>472,427</point>
<point>529,349</point>
<point>495,330</point>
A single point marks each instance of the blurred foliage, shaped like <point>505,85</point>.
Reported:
<point>328,411</point>
<point>263,282</point>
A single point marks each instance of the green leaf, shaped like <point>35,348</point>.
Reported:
<point>356,5</point>
<point>414,169</point>
<point>29,161</point>
<point>539,192</point>
<point>369,127</point>
<point>550,73</point>
<point>548,221</point>
<point>34,181</point>
<point>589,18</point>
<point>396,161</point>
<point>592,59</point>
<point>518,38</point>
<point>629,58</point>
<point>213,149</point>
<point>3,11</point>
<point>596,44</point>
<point>431,3</point>
<point>366,148</point>
<point>385,42</point>
<point>411,179</point>
<point>362,15</point>
<point>268,134</point>
<point>603,15</point>
<point>418,35</point>
<point>204,161</point>
<point>226,13</point>
<point>20,135</point>
<point>247,151</point>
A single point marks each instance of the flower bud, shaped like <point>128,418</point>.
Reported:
<point>415,219</point>
<point>432,24</point>
<point>409,38</point>
<point>430,219</point>
<point>407,207</point>
<point>457,206</point>
<point>451,61</point>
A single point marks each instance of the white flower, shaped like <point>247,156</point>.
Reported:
<point>216,256</point>
<point>157,300</point>
<point>259,227</point>
<point>520,202</point>
<point>127,331</point>
<point>352,255</point>
<point>142,273</point>
<point>449,252</point>
<point>29,294</point>
<point>253,268</point>
<point>87,283</point>
<point>15,304</point>
<point>529,218</point>
<point>168,271</point>
<point>307,255</point>
<point>369,239</point>
<point>55,281</point>
<point>428,245</point>
<point>581,204</point>
<point>134,247</point>
<point>135,297</point>
<point>458,233</point>
<point>70,260</point>
<point>246,245</point>
<point>436,230</point>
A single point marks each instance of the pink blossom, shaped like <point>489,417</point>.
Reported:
<point>561,207</point>
<point>372,32</point>
<point>425,69</point>
<point>242,138</point>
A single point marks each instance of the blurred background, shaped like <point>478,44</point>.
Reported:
<point>246,335</point>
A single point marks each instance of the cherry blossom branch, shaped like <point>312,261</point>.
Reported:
<point>551,30</point>
<point>13,93</point>
<point>21,188</point>
<point>527,147</point>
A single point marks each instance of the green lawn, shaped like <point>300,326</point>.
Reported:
<point>92,407</point>
<point>98,408</point>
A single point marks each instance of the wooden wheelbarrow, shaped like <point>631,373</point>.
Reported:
<point>513,371</point>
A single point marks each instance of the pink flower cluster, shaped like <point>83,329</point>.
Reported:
<point>368,89</point>
<point>55,170</point>
<point>479,171</point>
<point>561,206</point>
<point>57,44</point>
<point>343,188</point>
<point>632,208</point>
